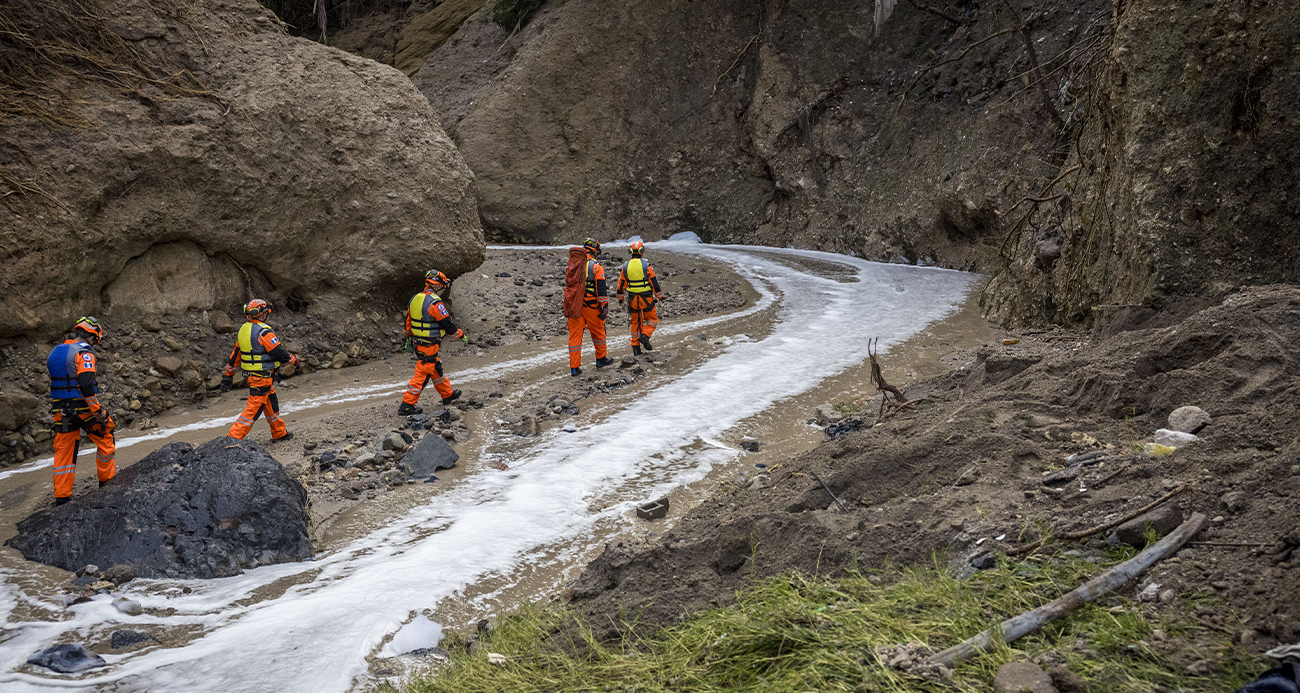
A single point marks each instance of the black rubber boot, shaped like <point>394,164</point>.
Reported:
<point>636,351</point>
<point>61,501</point>
<point>288,435</point>
<point>101,484</point>
<point>455,395</point>
<point>575,372</point>
<point>645,342</point>
<point>601,363</point>
<point>408,409</point>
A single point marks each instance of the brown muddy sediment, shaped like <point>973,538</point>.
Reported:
<point>1013,414</point>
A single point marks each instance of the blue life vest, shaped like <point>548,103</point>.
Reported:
<point>63,371</point>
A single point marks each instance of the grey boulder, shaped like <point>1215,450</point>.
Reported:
<point>428,456</point>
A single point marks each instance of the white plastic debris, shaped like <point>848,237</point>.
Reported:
<point>1174,439</point>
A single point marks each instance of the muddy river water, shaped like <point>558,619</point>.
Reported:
<point>481,540</point>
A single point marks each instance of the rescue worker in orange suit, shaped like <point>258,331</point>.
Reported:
<point>595,308</point>
<point>427,322</point>
<point>74,402</point>
<point>258,352</point>
<point>641,287</point>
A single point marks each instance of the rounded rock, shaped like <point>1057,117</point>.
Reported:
<point>1188,419</point>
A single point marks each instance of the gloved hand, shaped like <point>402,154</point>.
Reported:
<point>226,383</point>
<point>464,338</point>
<point>293,360</point>
<point>604,312</point>
<point>620,300</point>
<point>101,416</point>
<point>408,345</point>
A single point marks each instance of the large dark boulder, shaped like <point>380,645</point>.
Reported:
<point>182,511</point>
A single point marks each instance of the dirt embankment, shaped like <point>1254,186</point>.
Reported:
<point>187,156</point>
<point>964,471</point>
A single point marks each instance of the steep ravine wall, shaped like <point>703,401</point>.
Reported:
<point>1183,181</point>
<point>1165,180</point>
<point>288,170</point>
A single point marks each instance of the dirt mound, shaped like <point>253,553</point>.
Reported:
<point>963,471</point>
<point>285,169</point>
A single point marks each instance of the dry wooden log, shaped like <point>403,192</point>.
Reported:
<point>1030,621</point>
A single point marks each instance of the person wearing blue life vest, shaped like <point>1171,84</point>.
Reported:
<point>74,403</point>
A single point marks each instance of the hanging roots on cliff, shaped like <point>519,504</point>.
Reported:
<point>47,47</point>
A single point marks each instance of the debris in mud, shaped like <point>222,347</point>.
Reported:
<point>653,510</point>
<point>844,427</point>
<point>67,659</point>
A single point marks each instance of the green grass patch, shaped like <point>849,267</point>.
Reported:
<point>793,633</point>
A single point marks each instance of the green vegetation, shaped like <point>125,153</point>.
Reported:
<point>514,14</point>
<point>792,633</point>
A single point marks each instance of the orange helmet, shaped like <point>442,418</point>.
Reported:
<point>433,279</point>
<point>637,248</point>
<point>91,327</point>
<point>257,309</point>
<point>592,246</point>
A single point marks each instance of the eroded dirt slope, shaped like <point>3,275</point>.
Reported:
<point>968,465</point>
<point>220,161</point>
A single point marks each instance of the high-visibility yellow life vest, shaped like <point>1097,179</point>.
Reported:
<point>253,357</point>
<point>423,329</point>
<point>637,273</point>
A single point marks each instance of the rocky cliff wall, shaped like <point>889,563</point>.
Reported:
<point>1182,179</point>
<point>1143,161</point>
<point>757,122</point>
<point>279,167</point>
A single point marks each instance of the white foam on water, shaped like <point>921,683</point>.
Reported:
<point>419,633</point>
<point>337,610</point>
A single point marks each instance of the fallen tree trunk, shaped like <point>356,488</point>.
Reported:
<point>1030,621</point>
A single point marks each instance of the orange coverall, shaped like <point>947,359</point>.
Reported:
<point>71,417</point>
<point>261,384</point>
<point>595,306</point>
<point>644,317</point>
<point>427,365</point>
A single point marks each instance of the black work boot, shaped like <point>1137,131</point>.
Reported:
<point>61,501</point>
<point>286,436</point>
<point>101,484</point>
<point>645,342</point>
<point>636,350</point>
<point>601,363</point>
<point>575,372</point>
<point>408,409</point>
<point>455,395</point>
